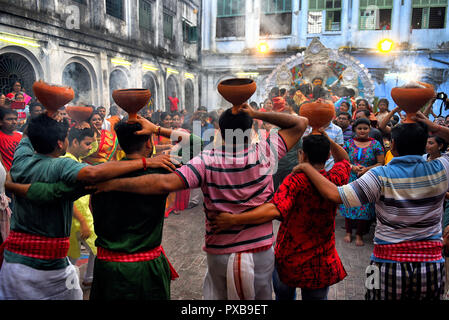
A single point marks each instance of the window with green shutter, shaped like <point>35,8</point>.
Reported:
<point>168,26</point>
<point>429,14</point>
<point>115,8</point>
<point>276,17</point>
<point>189,32</point>
<point>145,15</point>
<point>375,14</point>
<point>230,18</point>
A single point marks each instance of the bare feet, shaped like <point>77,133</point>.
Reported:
<point>359,241</point>
<point>347,238</point>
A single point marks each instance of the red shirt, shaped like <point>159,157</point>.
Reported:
<point>173,103</point>
<point>8,146</point>
<point>305,247</point>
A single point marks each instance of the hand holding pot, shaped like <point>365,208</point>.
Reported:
<point>148,127</point>
<point>246,108</point>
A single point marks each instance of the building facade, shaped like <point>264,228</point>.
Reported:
<point>233,29</point>
<point>99,46</point>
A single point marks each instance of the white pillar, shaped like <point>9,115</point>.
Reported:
<point>344,20</point>
<point>396,18</point>
<point>104,79</point>
<point>406,18</point>
<point>296,26</point>
<point>213,25</point>
<point>355,16</point>
<point>252,23</point>
<point>304,21</point>
<point>206,26</point>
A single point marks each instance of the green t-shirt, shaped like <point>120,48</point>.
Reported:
<point>51,220</point>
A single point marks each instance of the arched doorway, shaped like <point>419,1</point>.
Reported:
<point>14,67</point>
<point>76,76</point>
<point>150,83</point>
<point>189,92</point>
<point>117,80</point>
<point>172,91</point>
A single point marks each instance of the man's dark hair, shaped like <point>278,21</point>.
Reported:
<point>366,112</point>
<point>317,148</point>
<point>80,134</point>
<point>5,111</point>
<point>129,141</point>
<point>175,113</point>
<point>282,91</point>
<point>34,105</point>
<point>292,92</point>
<point>234,121</point>
<point>410,138</point>
<point>253,104</point>
<point>319,92</point>
<point>306,89</point>
<point>344,113</point>
<point>202,108</point>
<point>45,132</point>
<point>361,121</point>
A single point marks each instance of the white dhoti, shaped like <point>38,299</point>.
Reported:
<point>21,282</point>
<point>245,276</point>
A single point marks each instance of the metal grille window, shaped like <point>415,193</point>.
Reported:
<point>115,8</point>
<point>375,14</point>
<point>276,17</point>
<point>230,18</point>
<point>168,26</point>
<point>429,14</point>
<point>145,15</point>
<point>332,15</point>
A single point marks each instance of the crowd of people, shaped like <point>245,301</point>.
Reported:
<point>107,185</point>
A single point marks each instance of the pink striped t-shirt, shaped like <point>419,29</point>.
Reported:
<point>236,181</point>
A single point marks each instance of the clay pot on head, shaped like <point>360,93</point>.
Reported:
<point>319,114</point>
<point>131,100</point>
<point>237,91</point>
<point>412,98</point>
<point>79,114</point>
<point>52,97</point>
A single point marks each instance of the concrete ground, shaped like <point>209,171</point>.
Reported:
<point>184,237</point>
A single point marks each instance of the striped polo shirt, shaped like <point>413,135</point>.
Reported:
<point>236,181</point>
<point>408,194</point>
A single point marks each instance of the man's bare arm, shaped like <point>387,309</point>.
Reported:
<point>146,184</point>
<point>112,169</point>
<point>258,215</point>
<point>325,187</point>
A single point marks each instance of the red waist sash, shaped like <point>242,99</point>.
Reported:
<point>112,256</point>
<point>35,246</point>
<point>410,251</point>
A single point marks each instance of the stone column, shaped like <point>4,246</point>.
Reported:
<point>396,19</point>
<point>344,21</point>
<point>206,26</point>
<point>405,21</point>
<point>158,30</point>
<point>104,79</point>
<point>252,23</point>
<point>355,16</point>
<point>213,25</point>
<point>296,25</point>
<point>304,19</point>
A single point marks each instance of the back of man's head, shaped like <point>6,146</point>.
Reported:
<point>317,148</point>
<point>45,132</point>
<point>128,140</point>
<point>79,134</point>
<point>230,121</point>
<point>410,138</point>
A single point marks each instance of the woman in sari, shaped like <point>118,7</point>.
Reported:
<point>106,142</point>
<point>17,88</point>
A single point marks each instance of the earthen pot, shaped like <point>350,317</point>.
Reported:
<point>237,91</point>
<point>52,97</point>
<point>319,114</point>
<point>79,113</point>
<point>131,100</point>
<point>411,99</point>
